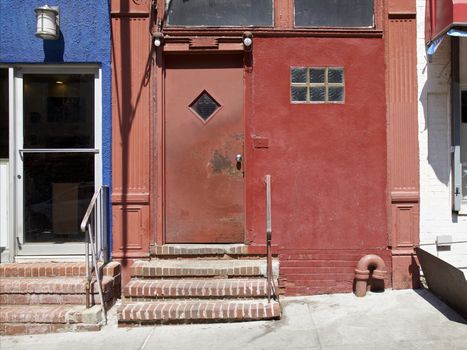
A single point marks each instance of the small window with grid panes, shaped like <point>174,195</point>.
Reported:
<point>317,85</point>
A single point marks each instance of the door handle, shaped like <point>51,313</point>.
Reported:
<point>239,158</point>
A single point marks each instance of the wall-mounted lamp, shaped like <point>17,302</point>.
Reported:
<point>158,39</point>
<point>47,22</point>
<point>247,40</point>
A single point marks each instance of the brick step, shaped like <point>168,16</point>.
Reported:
<point>53,269</point>
<point>197,311</point>
<point>33,319</point>
<point>42,269</point>
<point>139,290</point>
<point>161,268</point>
<point>170,250</point>
<point>52,290</point>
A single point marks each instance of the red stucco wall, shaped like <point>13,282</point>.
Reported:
<point>327,161</point>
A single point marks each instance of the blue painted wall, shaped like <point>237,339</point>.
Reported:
<point>85,38</point>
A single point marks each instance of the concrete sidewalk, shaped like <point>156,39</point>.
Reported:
<point>391,320</point>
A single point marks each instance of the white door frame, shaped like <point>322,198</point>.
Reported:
<point>49,249</point>
<point>8,236</point>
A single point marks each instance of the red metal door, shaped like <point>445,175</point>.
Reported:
<point>204,185</point>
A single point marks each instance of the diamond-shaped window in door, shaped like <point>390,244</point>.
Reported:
<point>204,106</point>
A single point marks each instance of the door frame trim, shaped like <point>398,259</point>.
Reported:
<point>158,169</point>
<point>16,108</point>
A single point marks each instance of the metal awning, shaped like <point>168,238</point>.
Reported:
<point>444,17</point>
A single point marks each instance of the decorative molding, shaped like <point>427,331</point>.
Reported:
<point>131,197</point>
<point>131,104</point>
<point>405,196</point>
<point>403,162</point>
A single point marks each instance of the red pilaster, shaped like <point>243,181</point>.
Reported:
<point>131,135</point>
<point>403,163</point>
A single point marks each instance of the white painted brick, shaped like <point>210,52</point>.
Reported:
<point>436,217</point>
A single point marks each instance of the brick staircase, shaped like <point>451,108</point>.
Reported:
<point>51,297</point>
<point>196,284</point>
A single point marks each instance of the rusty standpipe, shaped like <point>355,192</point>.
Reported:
<point>362,272</point>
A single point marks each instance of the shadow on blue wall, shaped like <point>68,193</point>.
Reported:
<point>54,49</point>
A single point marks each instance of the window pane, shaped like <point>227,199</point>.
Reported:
<point>55,200</point>
<point>204,106</point>
<point>317,94</point>
<point>58,111</point>
<point>298,94</point>
<point>220,13</point>
<point>334,13</point>
<point>335,75</point>
<point>336,94</point>
<point>298,75</point>
<point>4,115</point>
<point>317,75</point>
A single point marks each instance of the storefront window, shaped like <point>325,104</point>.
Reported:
<point>58,158</point>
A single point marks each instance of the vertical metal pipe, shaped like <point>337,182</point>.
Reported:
<point>105,223</point>
<point>268,235</point>
<point>86,265</point>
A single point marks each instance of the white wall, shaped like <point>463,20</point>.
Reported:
<point>436,217</point>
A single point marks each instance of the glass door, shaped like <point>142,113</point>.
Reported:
<point>58,159</point>
<point>4,158</point>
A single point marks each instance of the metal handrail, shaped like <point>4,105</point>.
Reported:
<point>270,278</point>
<point>94,223</point>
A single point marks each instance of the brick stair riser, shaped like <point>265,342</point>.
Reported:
<point>59,315</point>
<point>47,286</point>
<point>142,290</point>
<point>77,299</point>
<point>158,272</point>
<point>170,251</point>
<point>41,328</point>
<point>197,312</point>
<point>53,270</point>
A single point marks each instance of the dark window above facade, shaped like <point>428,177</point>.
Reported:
<point>220,13</point>
<point>334,13</point>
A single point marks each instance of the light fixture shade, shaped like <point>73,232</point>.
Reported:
<point>47,23</point>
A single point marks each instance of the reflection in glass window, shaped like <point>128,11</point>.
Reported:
<point>55,200</point>
<point>219,13</point>
<point>4,115</point>
<point>334,13</point>
<point>58,110</point>
<point>317,85</point>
